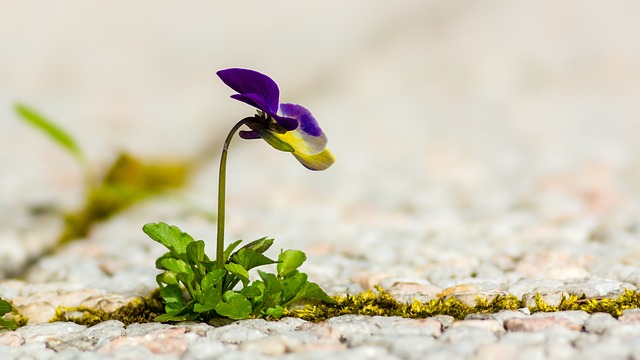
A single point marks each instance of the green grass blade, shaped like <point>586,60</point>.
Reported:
<point>54,132</point>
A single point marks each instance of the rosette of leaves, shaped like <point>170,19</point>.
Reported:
<point>193,287</point>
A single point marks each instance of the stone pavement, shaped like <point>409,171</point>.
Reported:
<point>482,148</point>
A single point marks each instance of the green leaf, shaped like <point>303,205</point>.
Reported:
<point>274,141</point>
<point>235,306</point>
<point>175,265</point>
<point>212,279</point>
<point>172,294</point>
<point>272,284</point>
<point>249,259</point>
<point>292,285</point>
<point>5,307</point>
<point>275,312</point>
<point>50,129</point>
<point>254,290</point>
<point>311,291</point>
<point>170,236</point>
<point>238,271</point>
<point>166,277</point>
<point>260,245</point>
<point>209,299</point>
<point>168,255</point>
<point>195,252</point>
<point>289,261</point>
<point>230,249</point>
<point>8,323</point>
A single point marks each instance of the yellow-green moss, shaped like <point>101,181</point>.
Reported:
<point>372,303</point>
<point>127,181</point>
<point>139,310</point>
<point>380,302</point>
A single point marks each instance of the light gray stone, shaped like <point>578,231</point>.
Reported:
<point>598,323</point>
<point>551,297</point>
<point>108,329</point>
<point>144,329</point>
<point>577,317</point>
<point>58,330</point>
<point>234,334</point>
<point>204,348</point>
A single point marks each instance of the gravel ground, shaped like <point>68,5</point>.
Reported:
<point>481,149</point>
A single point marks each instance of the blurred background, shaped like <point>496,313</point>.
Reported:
<point>440,113</point>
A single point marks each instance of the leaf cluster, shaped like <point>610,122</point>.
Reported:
<point>5,308</point>
<point>193,287</point>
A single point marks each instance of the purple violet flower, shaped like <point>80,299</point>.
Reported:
<point>286,127</point>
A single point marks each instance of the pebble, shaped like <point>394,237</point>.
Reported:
<point>599,323</point>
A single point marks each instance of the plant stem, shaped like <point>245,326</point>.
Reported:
<point>221,192</point>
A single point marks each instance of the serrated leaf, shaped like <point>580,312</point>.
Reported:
<point>50,129</point>
<point>172,294</point>
<point>235,306</point>
<point>292,285</point>
<point>171,237</point>
<point>289,261</point>
<point>249,259</point>
<point>209,299</point>
<point>253,291</point>
<point>311,291</point>
<point>195,252</point>
<point>230,248</point>
<point>5,307</point>
<point>212,279</point>
<point>238,271</point>
<point>175,265</point>
<point>187,279</point>
<point>168,255</point>
<point>272,285</point>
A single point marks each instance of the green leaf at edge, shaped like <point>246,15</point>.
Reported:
<point>289,261</point>
<point>9,324</point>
<point>238,271</point>
<point>230,248</point>
<point>5,307</point>
<point>250,259</point>
<point>54,132</point>
<point>235,306</point>
<point>170,236</point>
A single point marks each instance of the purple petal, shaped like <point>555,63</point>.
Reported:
<point>307,122</point>
<point>246,81</point>
<point>286,122</point>
<point>254,100</point>
<point>249,135</point>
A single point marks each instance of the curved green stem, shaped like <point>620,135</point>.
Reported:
<point>222,175</point>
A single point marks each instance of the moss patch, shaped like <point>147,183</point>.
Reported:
<point>127,181</point>
<point>373,302</point>
<point>380,302</point>
<point>139,310</point>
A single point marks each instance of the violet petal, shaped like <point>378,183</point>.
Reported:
<point>246,81</point>
<point>308,123</point>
